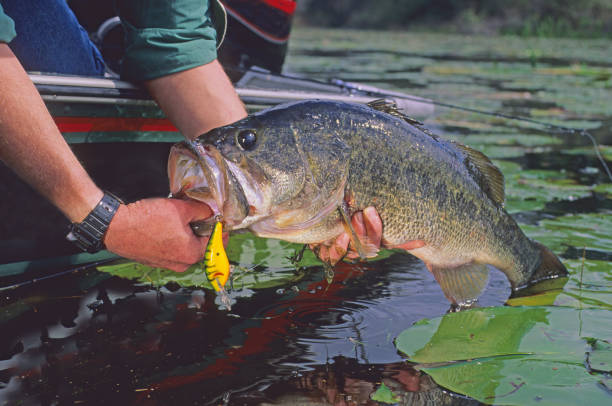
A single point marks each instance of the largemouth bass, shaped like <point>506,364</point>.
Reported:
<point>298,171</point>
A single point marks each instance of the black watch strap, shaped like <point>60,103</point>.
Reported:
<point>89,234</point>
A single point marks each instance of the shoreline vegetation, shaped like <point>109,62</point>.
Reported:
<point>528,18</point>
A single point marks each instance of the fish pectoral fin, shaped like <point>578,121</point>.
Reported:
<point>366,250</point>
<point>463,284</point>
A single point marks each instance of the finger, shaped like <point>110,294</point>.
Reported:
<point>194,210</point>
<point>338,249</point>
<point>202,244</point>
<point>373,225</point>
<point>323,253</point>
<point>357,222</point>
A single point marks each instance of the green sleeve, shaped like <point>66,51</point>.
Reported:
<point>164,37</point>
<point>7,27</point>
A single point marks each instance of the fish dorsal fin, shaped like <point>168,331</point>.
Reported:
<point>489,177</point>
<point>390,107</point>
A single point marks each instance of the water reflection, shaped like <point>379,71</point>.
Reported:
<point>345,382</point>
<point>108,340</point>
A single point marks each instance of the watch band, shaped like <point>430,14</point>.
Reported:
<point>89,233</point>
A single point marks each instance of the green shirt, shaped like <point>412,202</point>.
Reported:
<point>164,37</point>
<point>7,27</point>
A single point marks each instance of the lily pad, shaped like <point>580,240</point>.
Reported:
<point>531,189</point>
<point>581,230</point>
<point>589,286</point>
<point>600,357</point>
<point>513,355</point>
<point>248,254</point>
<point>604,189</point>
<point>385,395</point>
<point>605,150</point>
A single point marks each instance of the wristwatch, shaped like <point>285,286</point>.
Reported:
<point>89,233</point>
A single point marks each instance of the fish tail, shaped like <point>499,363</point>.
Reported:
<point>550,266</point>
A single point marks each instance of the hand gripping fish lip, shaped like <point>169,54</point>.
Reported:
<point>199,171</point>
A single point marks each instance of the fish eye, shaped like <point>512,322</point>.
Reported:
<point>246,139</point>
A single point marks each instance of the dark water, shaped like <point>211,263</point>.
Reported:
<point>88,337</point>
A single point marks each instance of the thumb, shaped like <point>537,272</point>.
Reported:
<point>193,210</point>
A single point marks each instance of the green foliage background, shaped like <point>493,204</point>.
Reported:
<point>546,18</point>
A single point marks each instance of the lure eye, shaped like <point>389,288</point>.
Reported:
<point>247,139</point>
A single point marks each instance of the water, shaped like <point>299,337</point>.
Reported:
<point>293,338</point>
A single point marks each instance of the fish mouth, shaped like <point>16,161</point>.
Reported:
<point>199,172</point>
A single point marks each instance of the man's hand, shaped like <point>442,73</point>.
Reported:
<point>367,225</point>
<point>156,232</point>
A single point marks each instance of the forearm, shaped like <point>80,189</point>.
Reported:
<point>198,99</point>
<point>33,147</point>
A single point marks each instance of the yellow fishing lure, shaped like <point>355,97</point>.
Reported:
<point>216,264</point>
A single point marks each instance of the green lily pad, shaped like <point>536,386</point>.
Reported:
<point>605,150</point>
<point>513,355</point>
<point>604,189</point>
<point>581,230</point>
<point>385,395</point>
<point>600,357</point>
<point>588,286</point>
<point>531,189</point>
<point>195,276</point>
<point>245,251</point>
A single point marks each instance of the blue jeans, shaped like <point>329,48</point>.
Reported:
<point>50,39</point>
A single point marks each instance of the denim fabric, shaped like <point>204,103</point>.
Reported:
<point>50,39</point>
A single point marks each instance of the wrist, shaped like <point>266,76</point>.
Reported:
<point>89,233</point>
<point>79,207</point>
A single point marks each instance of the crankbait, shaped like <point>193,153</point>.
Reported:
<point>216,264</point>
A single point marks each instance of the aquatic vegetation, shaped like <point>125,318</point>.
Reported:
<point>257,263</point>
<point>516,355</point>
<point>385,395</point>
<point>590,231</point>
<point>551,346</point>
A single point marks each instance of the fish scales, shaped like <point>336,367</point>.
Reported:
<point>396,167</point>
<point>296,164</point>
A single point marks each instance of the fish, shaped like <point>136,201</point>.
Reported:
<point>299,171</point>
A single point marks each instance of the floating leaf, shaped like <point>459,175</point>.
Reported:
<point>513,355</point>
<point>385,395</point>
<point>532,189</point>
<point>604,189</point>
<point>605,150</point>
<point>581,230</point>
<point>245,250</point>
<point>589,286</point>
<point>600,357</point>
